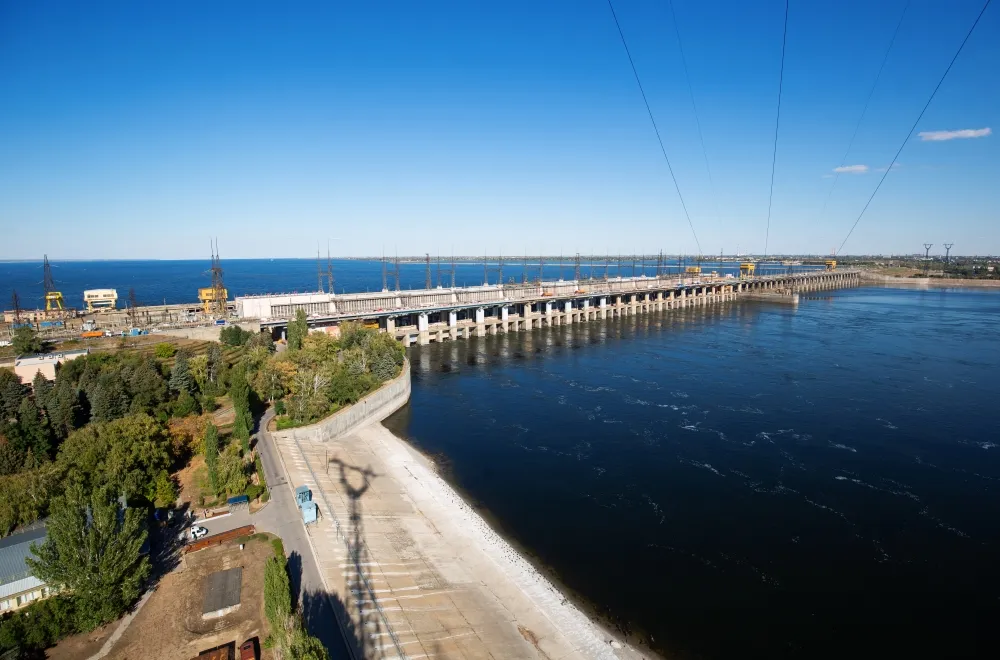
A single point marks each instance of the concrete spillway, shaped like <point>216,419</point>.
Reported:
<point>426,315</point>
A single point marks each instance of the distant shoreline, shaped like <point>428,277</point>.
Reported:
<point>930,282</point>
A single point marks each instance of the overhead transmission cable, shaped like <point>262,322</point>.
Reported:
<point>655,129</point>
<point>912,128</point>
<point>777,122</point>
<point>864,110</point>
<point>697,121</point>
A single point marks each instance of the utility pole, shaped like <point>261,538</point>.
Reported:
<point>428,281</point>
<point>319,272</point>
<point>576,270</point>
<point>329,269</point>
<point>219,293</point>
<point>927,256</point>
<point>385,284</point>
<point>439,270</point>
<point>947,252</point>
<point>397,271</point>
<point>15,302</point>
<point>541,269</point>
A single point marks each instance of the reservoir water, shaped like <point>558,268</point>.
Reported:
<point>743,480</point>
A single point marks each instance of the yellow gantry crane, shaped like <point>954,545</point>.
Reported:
<point>747,269</point>
<point>53,299</point>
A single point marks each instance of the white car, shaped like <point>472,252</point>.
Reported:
<point>198,532</point>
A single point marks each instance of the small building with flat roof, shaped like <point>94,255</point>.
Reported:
<point>26,366</point>
<point>18,587</point>
<point>222,593</point>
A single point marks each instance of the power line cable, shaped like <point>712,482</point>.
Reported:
<point>655,129</point>
<point>697,121</point>
<point>777,122</point>
<point>864,110</point>
<point>919,117</point>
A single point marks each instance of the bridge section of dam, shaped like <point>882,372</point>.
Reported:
<point>443,314</point>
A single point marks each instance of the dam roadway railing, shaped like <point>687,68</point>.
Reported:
<point>425,315</point>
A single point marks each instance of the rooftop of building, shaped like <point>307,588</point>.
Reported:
<point>58,356</point>
<point>14,549</point>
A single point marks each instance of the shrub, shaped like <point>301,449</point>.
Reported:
<point>39,625</point>
<point>279,408</point>
<point>164,350</point>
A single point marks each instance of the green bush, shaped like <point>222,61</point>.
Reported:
<point>164,351</point>
<point>265,496</point>
<point>253,491</point>
<point>279,407</point>
<point>279,548</point>
<point>283,423</point>
<point>39,625</point>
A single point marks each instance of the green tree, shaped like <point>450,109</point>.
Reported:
<point>11,457</point>
<point>41,389</point>
<point>277,600</point>
<point>304,646</point>
<point>232,471</point>
<point>11,393</point>
<point>93,550</point>
<point>64,408</point>
<point>239,392</point>
<point>212,455</point>
<point>26,341</point>
<point>124,455</point>
<point>180,376</point>
<point>164,351</point>
<point>297,330</point>
<point>108,398</point>
<point>214,364</point>
<point>33,429</point>
<point>166,490</point>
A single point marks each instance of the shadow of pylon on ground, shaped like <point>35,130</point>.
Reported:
<point>373,635</point>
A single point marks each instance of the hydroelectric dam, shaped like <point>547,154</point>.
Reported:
<point>441,314</point>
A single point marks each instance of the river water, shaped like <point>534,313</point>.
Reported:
<point>747,479</point>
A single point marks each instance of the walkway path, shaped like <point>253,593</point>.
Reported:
<point>421,573</point>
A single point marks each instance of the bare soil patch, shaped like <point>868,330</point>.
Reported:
<point>170,626</point>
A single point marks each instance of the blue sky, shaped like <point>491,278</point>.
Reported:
<point>139,130</point>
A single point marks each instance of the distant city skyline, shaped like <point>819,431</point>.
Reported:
<point>142,131</point>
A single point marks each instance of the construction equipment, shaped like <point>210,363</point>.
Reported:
<point>53,298</point>
<point>693,270</point>
<point>211,298</point>
<point>747,269</point>
<point>831,264</point>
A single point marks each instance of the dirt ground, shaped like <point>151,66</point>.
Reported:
<point>170,627</point>
<point>83,645</point>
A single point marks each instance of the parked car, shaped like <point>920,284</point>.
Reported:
<point>198,532</point>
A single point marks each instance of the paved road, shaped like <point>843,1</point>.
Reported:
<point>281,517</point>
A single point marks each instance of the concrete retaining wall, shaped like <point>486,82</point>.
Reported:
<point>373,408</point>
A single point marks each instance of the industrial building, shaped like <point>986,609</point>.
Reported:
<point>26,366</point>
<point>100,299</point>
<point>18,587</point>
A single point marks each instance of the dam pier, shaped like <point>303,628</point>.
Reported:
<point>421,316</point>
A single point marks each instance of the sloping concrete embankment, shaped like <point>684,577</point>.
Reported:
<point>419,572</point>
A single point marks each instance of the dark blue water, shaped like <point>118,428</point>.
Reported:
<point>748,480</point>
<point>157,282</point>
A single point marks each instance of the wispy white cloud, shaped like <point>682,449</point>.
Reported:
<point>895,166</point>
<point>965,133</point>
<point>851,169</point>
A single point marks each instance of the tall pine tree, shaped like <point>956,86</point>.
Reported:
<point>239,392</point>
<point>212,455</point>
<point>93,550</point>
<point>181,379</point>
